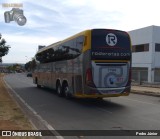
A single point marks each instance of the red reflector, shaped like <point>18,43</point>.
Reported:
<point>89,75</point>
<point>89,79</point>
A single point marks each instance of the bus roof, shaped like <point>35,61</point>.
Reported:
<point>69,38</point>
<point>59,42</point>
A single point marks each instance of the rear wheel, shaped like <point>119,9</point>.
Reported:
<point>59,89</point>
<point>38,86</point>
<point>99,98</point>
<point>65,90</point>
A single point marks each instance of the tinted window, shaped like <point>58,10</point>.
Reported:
<point>140,48</point>
<point>65,51</point>
<point>157,47</point>
<point>110,44</point>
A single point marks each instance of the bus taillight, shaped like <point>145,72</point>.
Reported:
<point>89,79</point>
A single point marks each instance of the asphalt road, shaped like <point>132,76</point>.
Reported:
<point>134,112</point>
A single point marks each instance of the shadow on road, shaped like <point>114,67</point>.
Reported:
<point>51,96</point>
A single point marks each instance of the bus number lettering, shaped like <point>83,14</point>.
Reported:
<point>112,70</point>
<point>120,79</point>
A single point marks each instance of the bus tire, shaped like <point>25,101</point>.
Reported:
<point>65,90</point>
<point>59,89</point>
<point>99,98</point>
<point>38,86</point>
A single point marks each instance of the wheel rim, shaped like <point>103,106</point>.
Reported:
<point>59,89</point>
<point>66,90</point>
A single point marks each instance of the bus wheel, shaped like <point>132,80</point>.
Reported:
<point>65,90</point>
<point>99,98</point>
<point>59,89</point>
<point>38,86</point>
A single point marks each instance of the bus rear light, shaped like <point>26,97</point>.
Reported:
<point>89,79</point>
<point>89,74</point>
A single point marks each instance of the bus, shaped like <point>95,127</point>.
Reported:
<point>95,63</point>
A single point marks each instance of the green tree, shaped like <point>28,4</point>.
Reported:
<point>27,66</point>
<point>31,65</point>
<point>4,49</point>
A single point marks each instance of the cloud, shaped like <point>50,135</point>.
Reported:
<point>49,21</point>
<point>18,38</point>
<point>22,46</point>
<point>68,16</point>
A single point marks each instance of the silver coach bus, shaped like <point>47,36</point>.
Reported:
<point>95,63</point>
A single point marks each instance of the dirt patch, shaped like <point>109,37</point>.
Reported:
<point>11,116</point>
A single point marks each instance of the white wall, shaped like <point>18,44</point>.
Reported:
<point>157,59</point>
<point>156,34</point>
<point>141,36</point>
<point>150,59</point>
<point>141,58</point>
<point>156,39</point>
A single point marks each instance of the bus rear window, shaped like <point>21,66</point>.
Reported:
<point>110,44</point>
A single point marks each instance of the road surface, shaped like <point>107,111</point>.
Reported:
<point>134,112</point>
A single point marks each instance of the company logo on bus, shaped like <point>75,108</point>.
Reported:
<point>111,39</point>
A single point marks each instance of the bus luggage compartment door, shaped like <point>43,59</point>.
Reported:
<point>110,75</point>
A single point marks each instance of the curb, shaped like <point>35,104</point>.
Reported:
<point>148,93</point>
<point>36,120</point>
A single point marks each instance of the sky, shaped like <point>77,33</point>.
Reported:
<point>49,21</point>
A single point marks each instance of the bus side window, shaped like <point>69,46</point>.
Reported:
<point>80,43</point>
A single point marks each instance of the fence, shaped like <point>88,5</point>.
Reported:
<point>157,75</point>
<point>140,75</point>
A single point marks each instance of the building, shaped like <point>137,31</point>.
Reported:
<point>146,54</point>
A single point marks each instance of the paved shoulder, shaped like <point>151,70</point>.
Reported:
<point>11,116</point>
<point>152,91</point>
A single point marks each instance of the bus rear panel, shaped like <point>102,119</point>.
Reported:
<point>92,64</point>
<point>107,64</point>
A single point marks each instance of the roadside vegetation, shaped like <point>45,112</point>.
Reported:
<point>4,49</point>
<point>11,116</point>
